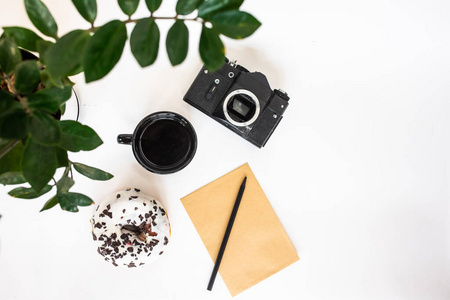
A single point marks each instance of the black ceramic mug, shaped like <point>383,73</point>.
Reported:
<point>163,142</point>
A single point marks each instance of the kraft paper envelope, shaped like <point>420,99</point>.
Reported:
<point>258,246</point>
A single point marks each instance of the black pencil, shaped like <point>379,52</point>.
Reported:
<point>227,235</point>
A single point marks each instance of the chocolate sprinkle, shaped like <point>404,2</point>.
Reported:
<point>137,190</point>
<point>117,196</point>
<point>163,212</point>
<point>166,240</point>
<point>161,252</point>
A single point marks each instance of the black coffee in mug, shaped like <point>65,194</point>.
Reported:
<point>163,142</point>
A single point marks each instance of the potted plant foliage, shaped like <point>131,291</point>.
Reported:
<point>33,143</point>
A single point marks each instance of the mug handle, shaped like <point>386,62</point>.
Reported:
<point>125,139</point>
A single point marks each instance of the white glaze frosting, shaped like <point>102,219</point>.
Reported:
<point>130,228</point>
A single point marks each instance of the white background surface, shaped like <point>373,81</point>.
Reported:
<point>357,171</point>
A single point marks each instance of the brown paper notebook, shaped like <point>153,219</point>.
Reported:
<point>258,246</point>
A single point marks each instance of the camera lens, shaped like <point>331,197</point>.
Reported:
<point>241,107</point>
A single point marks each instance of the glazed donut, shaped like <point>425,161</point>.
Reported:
<point>130,228</point>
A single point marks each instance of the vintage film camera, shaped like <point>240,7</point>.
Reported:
<point>240,100</point>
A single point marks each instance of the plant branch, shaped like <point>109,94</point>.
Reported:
<point>8,147</point>
<point>12,88</point>
<point>130,20</point>
<point>66,171</point>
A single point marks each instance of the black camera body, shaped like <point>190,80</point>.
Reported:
<point>240,100</point>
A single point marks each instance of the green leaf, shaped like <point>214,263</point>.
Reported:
<point>104,50</point>
<point>153,5</point>
<point>27,76</point>
<point>12,177</point>
<point>49,99</point>
<point>61,157</point>
<point>49,81</point>
<point>6,96</point>
<point>39,164</point>
<point>212,50</point>
<point>64,184</point>
<point>67,82</point>
<point>14,125</point>
<point>69,201</point>
<point>29,193</point>
<point>24,37</point>
<point>87,9</point>
<point>76,137</point>
<point>177,42</point>
<point>185,7</point>
<point>42,47</point>
<point>144,41</point>
<point>8,103</point>
<point>128,6</point>
<point>12,160</point>
<point>91,172</point>
<point>62,108</point>
<point>212,7</point>
<point>44,128</point>
<point>41,17</point>
<point>66,56</point>
<point>235,24</point>
<point>9,55</point>
<point>50,203</point>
